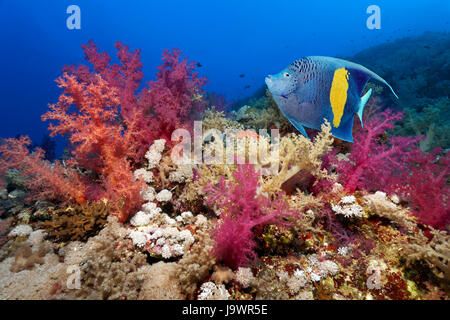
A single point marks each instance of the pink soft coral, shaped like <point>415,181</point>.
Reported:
<point>396,164</point>
<point>374,157</point>
<point>424,185</point>
<point>242,211</point>
<point>174,99</point>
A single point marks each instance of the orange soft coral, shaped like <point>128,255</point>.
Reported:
<point>44,180</point>
<point>88,113</point>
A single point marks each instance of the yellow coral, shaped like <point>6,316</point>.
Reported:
<point>299,153</point>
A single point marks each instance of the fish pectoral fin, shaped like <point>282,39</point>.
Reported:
<point>362,104</point>
<point>298,126</point>
<point>307,92</point>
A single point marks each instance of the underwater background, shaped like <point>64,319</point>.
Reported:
<point>230,38</point>
<point>95,205</point>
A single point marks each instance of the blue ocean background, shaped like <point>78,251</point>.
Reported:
<point>228,38</point>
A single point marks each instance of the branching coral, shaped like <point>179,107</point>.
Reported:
<point>298,153</point>
<point>425,186</point>
<point>373,158</point>
<point>241,208</point>
<point>43,179</point>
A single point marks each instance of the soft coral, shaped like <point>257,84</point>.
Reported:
<point>396,164</point>
<point>242,209</point>
<point>374,156</point>
<point>88,113</point>
<point>174,98</point>
<point>43,179</point>
<point>425,187</point>
<point>110,124</point>
<point>166,104</point>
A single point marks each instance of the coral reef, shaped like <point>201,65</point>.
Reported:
<point>419,68</point>
<point>121,217</point>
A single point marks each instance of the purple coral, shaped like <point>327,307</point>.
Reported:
<point>243,212</point>
<point>374,157</point>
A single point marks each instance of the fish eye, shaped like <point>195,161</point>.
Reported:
<point>286,74</point>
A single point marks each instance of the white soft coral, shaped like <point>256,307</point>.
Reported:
<point>348,207</point>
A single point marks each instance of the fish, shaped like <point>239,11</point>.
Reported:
<point>241,75</point>
<point>199,65</point>
<point>315,88</point>
<point>247,86</point>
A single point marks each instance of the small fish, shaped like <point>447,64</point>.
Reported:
<point>315,88</point>
<point>241,75</point>
<point>427,47</point>
<point>199,65</point>
<point>247,86</point>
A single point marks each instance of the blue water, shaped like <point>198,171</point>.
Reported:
<point>228,37</point>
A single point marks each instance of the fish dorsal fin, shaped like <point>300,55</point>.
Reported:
<point>361,75</point>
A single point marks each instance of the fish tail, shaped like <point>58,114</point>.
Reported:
<point>362,104</point>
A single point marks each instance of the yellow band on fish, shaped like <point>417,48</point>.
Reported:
<point>338,94</point>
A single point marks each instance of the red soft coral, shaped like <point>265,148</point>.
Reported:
<point>242,209</point>
<point>88,113</point>
<point>111,125</point>
<point>43,179</point>
<point>153,113</point>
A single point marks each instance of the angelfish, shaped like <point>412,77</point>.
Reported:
<point>315,88</point>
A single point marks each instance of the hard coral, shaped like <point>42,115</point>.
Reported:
<point>25,258</point>
<point>108,268</point>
